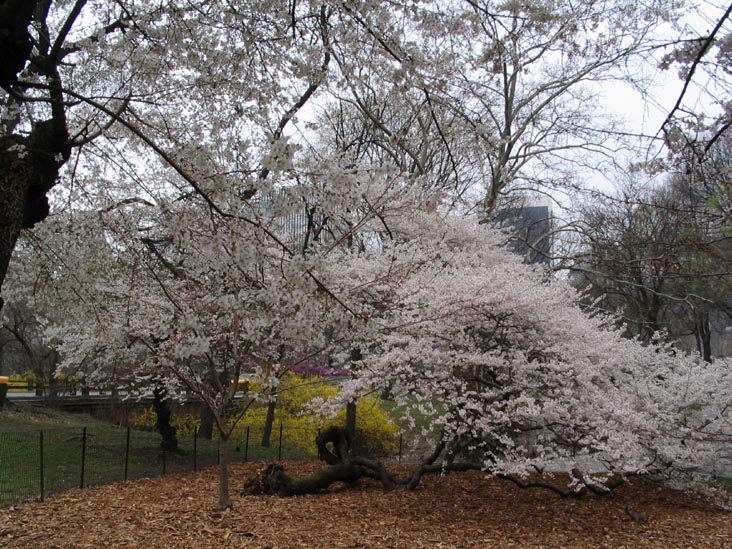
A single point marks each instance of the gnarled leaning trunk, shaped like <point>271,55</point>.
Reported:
<point>334,447</point>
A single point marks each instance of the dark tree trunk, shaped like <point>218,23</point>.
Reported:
<point>29,166</point>
<point>28,169</point>
<point>273,480</point>
<point>268,423</point>
<point>14,179</point>
<point>169,442</point>
<point>351,410</point>
<point>15,40</point>
<point>351,407</point>
<point>51,384</point>
<point>207,422</point>
<point>703,334</point>
<point>224,499</point>
<point>334,445</point>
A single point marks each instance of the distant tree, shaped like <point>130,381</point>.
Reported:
<point>382,124</point>
<point>524,81</point>
<point>22,338</point>
<point>660,257</point>
<point>492,97</point>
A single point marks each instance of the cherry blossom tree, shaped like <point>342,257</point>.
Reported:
<point>188,304</point>
<point>518,376</point>
<point>513,84</point>
<point>168,270</point>
<point>162,292</point>
<point>204,88</point>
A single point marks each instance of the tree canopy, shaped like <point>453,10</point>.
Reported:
<point>244,186</point>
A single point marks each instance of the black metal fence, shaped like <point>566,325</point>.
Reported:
<point>34,464</point>
<point>37,463</point>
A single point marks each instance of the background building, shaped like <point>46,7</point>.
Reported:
<point>531,228</point>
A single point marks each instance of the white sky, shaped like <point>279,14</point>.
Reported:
<point>644,114</point>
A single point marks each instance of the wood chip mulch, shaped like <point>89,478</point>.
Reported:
<point>461,510</point>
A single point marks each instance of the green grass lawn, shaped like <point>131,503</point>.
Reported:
<point>66,456</point>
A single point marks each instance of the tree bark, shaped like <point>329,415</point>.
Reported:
<point>273,480</point>
<point>224,499</point>
<point>284,486</point>
<point>14,177</point>
<point>341,445</point>
<point>268,423</point>
<point>207,422</point>
<point>703,335</point>
<point>169,442</point>
<point>342,468</point>
<point>351,411</point>
<point>15,41</point>
<point>29,166</point>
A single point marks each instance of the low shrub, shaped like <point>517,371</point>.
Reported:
<point>376,434</point>
<point>185,424</point>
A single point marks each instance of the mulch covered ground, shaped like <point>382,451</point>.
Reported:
<point>461,510</point>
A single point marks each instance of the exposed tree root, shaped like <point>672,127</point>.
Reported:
<point>334,447</point>
<point>342,468</point>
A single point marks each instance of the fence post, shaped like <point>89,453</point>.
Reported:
<point>279,450</point>
<point>127,452</point>
<point>246,446</point>
<point>40,449</point>
<point>195,449</point>
<point>83,456</point>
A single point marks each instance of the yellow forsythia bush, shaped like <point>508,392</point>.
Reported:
<point>375,432</point>
<point>185,424</point>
